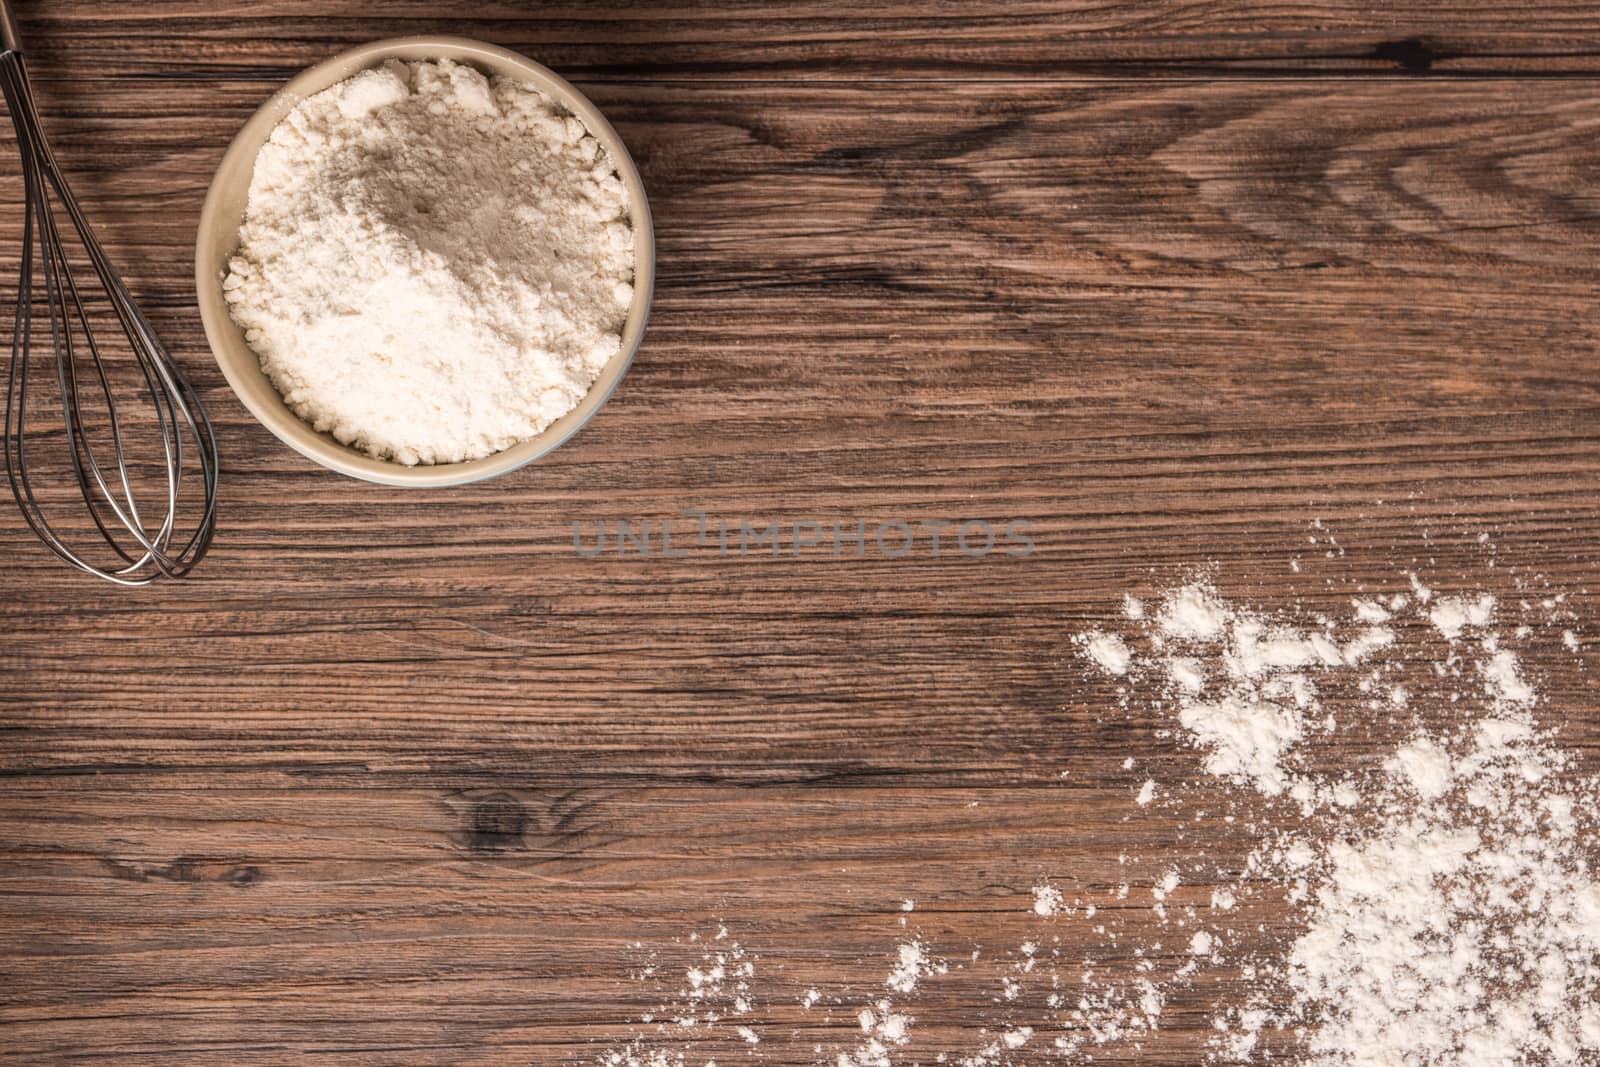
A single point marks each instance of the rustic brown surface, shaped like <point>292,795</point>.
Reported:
<point>400,777</point>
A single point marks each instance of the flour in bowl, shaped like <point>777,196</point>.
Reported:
<point>433,265</point>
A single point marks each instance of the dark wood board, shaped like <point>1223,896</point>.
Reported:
<point>401,777</point>
<point>853,38</point>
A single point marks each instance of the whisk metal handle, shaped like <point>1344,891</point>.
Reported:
<point>8,30</point>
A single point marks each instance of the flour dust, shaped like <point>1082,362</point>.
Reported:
<point>1441,886</point>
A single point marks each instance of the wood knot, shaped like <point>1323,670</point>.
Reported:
<point>496,822</point>
<point>1413,55</point>
<point>182,869</point>
<point>244,876</point>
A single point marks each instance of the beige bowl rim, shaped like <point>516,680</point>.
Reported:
<point>217,238</point>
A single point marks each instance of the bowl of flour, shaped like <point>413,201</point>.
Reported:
<point>425,262</point>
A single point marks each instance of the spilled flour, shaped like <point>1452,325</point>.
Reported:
<point>1426,842</point>
<point>1450,912</point>
<point>1464,929</point>
<point>709,1008</point>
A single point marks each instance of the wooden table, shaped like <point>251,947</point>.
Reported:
<point>403,778</point>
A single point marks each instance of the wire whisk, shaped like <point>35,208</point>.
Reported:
<point>110,451</point>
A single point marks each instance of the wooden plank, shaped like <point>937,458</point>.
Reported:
<point>416,919</point>
<point>402,777</point>
<point>847,38</point>
<point>1150,366</point>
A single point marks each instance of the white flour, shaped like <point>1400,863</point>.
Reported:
<point>1451,615</point>
<point>1462,932</point>
<point>1432,849</point>
<point>1450,912</point>
<point>1047,900</point>
<point>433,266</point>
<point>913,964</point>
<point>1108,651</point>
<point>715,994</point>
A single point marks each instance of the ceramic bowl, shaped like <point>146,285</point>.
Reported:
<point>218,238</point>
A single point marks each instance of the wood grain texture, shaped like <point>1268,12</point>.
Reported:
<point>852,38</point>
<point>401,777</point>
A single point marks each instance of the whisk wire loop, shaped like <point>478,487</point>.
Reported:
<point>101,471</point>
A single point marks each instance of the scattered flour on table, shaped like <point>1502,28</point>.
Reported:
<point>712,996</point>
<point>1108,651</point>
<point>913,964</point>
<point>1448,902</point>
<point>433,265</point>
<point>1047,900</point>
<point>1444,902</point>
<point>1452,615</point>
<point>1465,931</point>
